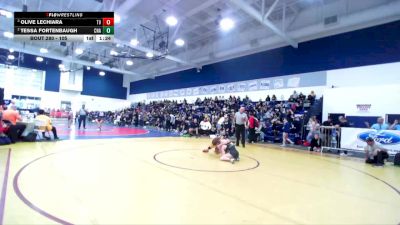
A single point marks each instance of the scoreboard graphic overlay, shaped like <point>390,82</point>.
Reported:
<point>64,26</point>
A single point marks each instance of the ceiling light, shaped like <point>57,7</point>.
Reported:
<point>134,42</point>
<point>78,51</point>
<point>171,21</point>
<point>117,18</point>
<point>149,55</point>
<point>43,50</point>
<point>8,34</point>
<point>34,70</point>
<point>102,73</point>
<point>87,67</point>
<point>10,57</point>
<point>98,62</point>
<point>61,66</point>
<point>179,42</point>
<point>113,52</point>
<point>129,63</point>
<point>39,59</point>
<point>226,24</point>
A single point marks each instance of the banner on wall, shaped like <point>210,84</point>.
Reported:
<point>265,84</point>
<point>293,82</point>
<point>252,85</point>
<point>242,86</point>
<point>204,90</point>
<point>355,138</point>
<point>289,81</point>
<point>188,91</point>
<point>230,87</point>
<point>221,88</point>
<point>195,91</point>
<point>278,83</point>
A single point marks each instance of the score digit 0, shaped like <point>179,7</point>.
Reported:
<point>108,21</point>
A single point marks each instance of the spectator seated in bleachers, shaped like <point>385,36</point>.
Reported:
<point>194,127</point>
<point>205,127</point>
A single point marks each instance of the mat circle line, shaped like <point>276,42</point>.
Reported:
<point>199,170</point>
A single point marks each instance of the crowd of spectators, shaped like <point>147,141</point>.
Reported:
<point>216,116</point>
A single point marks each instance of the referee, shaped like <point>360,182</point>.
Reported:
<point>240,123</point>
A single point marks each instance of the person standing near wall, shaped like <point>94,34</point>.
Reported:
<point>342,123</point>
<point>240,126</point>
<point>70,116</point>
<point>287,126</point>
<point>82,117</point>
<point>253,125</point>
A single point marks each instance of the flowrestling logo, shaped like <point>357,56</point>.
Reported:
<point>382,137</point>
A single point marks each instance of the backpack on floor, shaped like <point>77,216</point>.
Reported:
<point>396,160</point>
<point>4,140</point>
<point>31,137</point>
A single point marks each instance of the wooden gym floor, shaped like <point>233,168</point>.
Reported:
<point>170,181</point>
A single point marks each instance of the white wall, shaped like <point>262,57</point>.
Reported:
<point>378,85</point>
<point>384,99</point>
<point>382,74</point>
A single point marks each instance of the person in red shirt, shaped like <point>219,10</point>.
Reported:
<point>4,140</point>
<point>253,124</point>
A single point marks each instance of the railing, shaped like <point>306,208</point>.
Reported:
<point>330,137</point>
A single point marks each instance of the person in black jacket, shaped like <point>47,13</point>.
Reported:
<point>316,143</point>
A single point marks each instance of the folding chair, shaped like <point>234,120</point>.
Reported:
<point>40,127</point>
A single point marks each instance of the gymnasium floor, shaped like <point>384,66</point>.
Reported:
<point>168,180</point>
